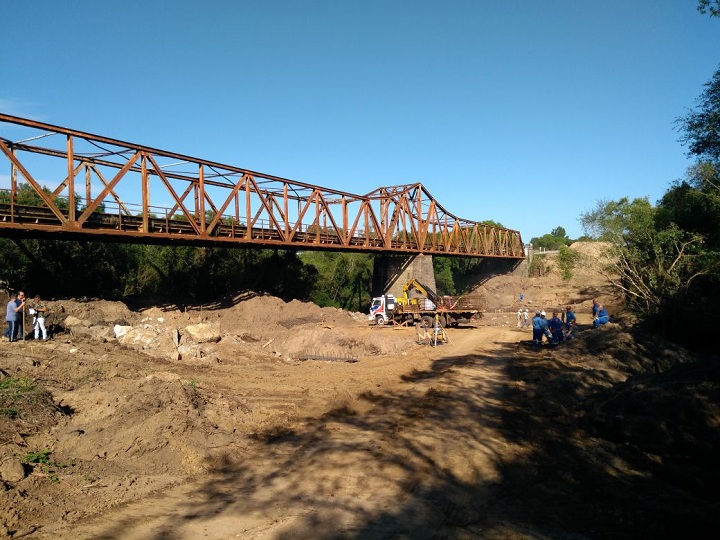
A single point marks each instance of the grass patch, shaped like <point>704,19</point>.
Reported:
<point>42,460</point>
<point>13,392</point>
<point>21,399</point>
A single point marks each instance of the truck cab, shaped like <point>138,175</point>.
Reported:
<point>382,308</point>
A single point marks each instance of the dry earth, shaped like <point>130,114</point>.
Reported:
<point>205,422</point>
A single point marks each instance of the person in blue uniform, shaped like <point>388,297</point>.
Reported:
<point>602,316</point>
<point>555,326</point>
<point>540,328</point>
<point>569,329</point>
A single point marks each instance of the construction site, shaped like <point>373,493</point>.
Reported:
<point>256,418</point>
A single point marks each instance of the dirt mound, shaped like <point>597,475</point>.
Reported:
<point>502,293</point>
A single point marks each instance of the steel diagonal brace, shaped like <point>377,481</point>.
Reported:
<point>173,194</point>
<point>218,213</point>
<point>50,203</point>
<point>268,208</point>
<point>92,206</point>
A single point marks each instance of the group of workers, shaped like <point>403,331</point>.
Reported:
<point>554,329</point>
<point>561,326</point>
<point>15,316</point>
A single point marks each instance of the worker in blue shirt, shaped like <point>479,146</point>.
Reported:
<point>569,323</point>
<point>602,316</point>
<point>555,325</point>
<point>540,328</point>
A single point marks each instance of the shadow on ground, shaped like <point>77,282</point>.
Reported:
<point>477,446</point>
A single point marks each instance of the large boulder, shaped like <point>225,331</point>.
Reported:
<point>203,333</point>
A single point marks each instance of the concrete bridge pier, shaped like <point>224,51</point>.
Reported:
<point>391,272</point>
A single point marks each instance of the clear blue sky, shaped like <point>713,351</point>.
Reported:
<point>524,112</point>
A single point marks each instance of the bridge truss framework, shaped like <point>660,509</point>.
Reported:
<point>74,185</point>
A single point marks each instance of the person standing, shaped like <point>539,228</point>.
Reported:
<point>526,318</point>
<point>555,325</point>
<point>519,318</point>
<point>540,328</point>
<point>13,314</point>
<point>569,323</point>
<point>38,311</point>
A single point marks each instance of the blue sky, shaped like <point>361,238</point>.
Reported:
<point>524,112</point>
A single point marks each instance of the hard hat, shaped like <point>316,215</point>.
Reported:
<point>542,313</point>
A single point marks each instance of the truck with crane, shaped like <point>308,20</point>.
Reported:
<point>422,307</point>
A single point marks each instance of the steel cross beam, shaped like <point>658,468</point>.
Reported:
<point>71,184</point>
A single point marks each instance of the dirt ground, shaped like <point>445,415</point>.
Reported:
<point>166,434</point>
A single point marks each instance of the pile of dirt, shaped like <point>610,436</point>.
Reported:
<point>232,327</point>
<point>502,293</point>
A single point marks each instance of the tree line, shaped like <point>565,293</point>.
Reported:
<point>186,274</point>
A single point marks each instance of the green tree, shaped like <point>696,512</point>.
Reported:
<point>445,271</point>
<point>711,7</point>
<point>699,128</point>
<point>566,260</point>
<point>493,223</point>
<point>552,241</point>
<point>342,279</point>
<point>656,264</point>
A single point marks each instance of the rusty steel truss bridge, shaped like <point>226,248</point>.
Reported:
<point>67,184</point>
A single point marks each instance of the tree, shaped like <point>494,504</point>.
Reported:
<point>552,241</point>
<point>566,260</point>
<point>611,221</point>
<point>709,6</point>
<point>493,223</point>
<point>341,279</point>
<point>660,267</point>
<point>700,128</point>
<point>444,276</point>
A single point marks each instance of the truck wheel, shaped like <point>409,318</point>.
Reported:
<point>427,321</point>
<point>443,321</point>
<point>379,320</point>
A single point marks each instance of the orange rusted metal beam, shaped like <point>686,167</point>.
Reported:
<point>403,219</point>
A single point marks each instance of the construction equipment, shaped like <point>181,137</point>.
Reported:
<point>422,307</point>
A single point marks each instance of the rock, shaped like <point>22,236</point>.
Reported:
<point>203,333</point>
<point>175,335</point>
<point>101,333</point>
<point>187,352</point>
<point>142,337</point>
<point>121,330</point>
<point>71,321</point>
<point>12,470</point>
